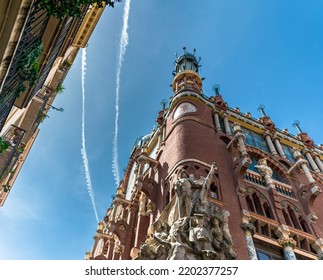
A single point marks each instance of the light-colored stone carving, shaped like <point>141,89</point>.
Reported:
<point>190,227</point>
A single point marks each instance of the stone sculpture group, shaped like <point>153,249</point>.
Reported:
<point>190,227</point>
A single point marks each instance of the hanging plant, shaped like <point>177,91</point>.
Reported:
<point>6,187</point>
<point>60,88</point>
<point>72,8</point>
<point>29,67</point>
<point>4,145</point>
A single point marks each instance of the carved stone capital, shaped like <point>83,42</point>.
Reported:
<point>287,242</point>
<point>320,256</point>
<point>248,228</point>
<point>267,133</point>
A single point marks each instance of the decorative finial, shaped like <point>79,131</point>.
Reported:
<point>296,124</point>
<point>184,49</point>
<point>261,109</point>
<point>216,89</point>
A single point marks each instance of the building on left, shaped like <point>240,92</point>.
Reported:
<point>36,53</point>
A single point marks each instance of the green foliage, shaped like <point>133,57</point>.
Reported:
<point>60,88</point>
<point>6,187</point>
<point>29,67</point>
<point>42,116</point>
<point>4,145</point>
<point>20,88</point>
<point>72,8</point>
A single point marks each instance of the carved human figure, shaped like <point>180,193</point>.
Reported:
<point>217,235</point>
<point>176,243</point>
<point>227,237</point>
<point>263,167</point>
<point>205,184</point>
<point>183,189</point>
<point>200,234</point>
<point>142,204</point>
<point>161,229</point>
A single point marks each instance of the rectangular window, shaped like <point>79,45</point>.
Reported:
<point>262,255</point>
<point>256,140</point>
<point>288,152</point>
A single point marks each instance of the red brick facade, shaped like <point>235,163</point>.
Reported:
<point>287,205</point>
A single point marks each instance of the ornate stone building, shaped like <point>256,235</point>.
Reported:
<point>211,182</point>
<point>36,53</point>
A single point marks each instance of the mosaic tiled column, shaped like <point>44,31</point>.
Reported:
<point>288,248</point>
<point>249,230</point>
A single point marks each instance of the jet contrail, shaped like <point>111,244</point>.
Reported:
<point>122,50</point>
<point>83,149</point>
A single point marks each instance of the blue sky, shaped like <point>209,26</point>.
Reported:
<point>260,52</point>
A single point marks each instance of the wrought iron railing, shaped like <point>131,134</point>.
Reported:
<point>13,136</point>
<point>31,36</point>
<point>44,96</point>
<point>54,53</point>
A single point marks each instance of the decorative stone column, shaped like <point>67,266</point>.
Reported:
<point>279,147</point>
<point>249,230</point>
<point>288,248</point>
<point>304,165</point>
<point>308,155</point>
<point>318,162</point>
<point>240,137</point>
<point>216,120</point>
<point>226,124</point>
<point>270,143</point>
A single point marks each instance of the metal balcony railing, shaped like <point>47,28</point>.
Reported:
<point>31,36</point>
<point>54,53</point>
<point>13,136</point>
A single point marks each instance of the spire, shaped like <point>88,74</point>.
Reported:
<point>308,141</point>
<point>296,125</point>
<point>186,73</point>
<point>218,100</point>
<point>261,109</point>
<point>268,123</point>
<point>187,61</point>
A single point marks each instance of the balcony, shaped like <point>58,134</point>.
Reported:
<point>13,136</point>
<point>257,179</point>
<point>13,84</point>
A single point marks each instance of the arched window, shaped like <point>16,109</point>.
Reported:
<point>214,191</point>
<point>250,204</point>
<point>268,212</point>
<point>287,219</point>
<point>257,204</point>
<point>303,224</point>
<point>253,167</point>
<point>293,217</point>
